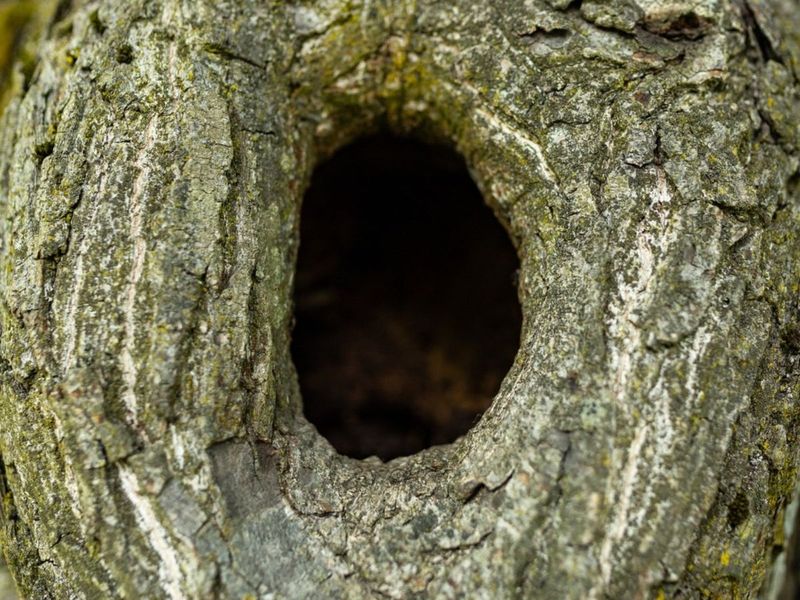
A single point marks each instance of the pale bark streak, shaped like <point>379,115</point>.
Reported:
<point>139,248</point>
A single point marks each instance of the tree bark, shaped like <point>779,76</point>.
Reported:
<point>7,591</point>
<point>643,156</point>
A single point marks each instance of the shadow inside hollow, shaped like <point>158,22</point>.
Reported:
<point>407,317</point>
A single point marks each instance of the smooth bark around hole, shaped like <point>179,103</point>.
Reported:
<point>406,311</point>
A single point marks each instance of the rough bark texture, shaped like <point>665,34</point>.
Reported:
<point>643,156</point>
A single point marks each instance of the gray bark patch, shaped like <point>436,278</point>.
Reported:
<point>246,476</point>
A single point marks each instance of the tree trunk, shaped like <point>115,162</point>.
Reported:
<point>643,156</point>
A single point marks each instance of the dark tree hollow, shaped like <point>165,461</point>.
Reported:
<point>407,317</point>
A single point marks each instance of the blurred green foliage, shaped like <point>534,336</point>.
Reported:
<point>18,19</point>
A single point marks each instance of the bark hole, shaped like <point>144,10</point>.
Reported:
<point>407,317</point>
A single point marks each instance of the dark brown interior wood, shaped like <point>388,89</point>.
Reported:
<point>407,317</point>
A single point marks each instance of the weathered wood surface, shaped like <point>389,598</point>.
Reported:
<point>643,156</point>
